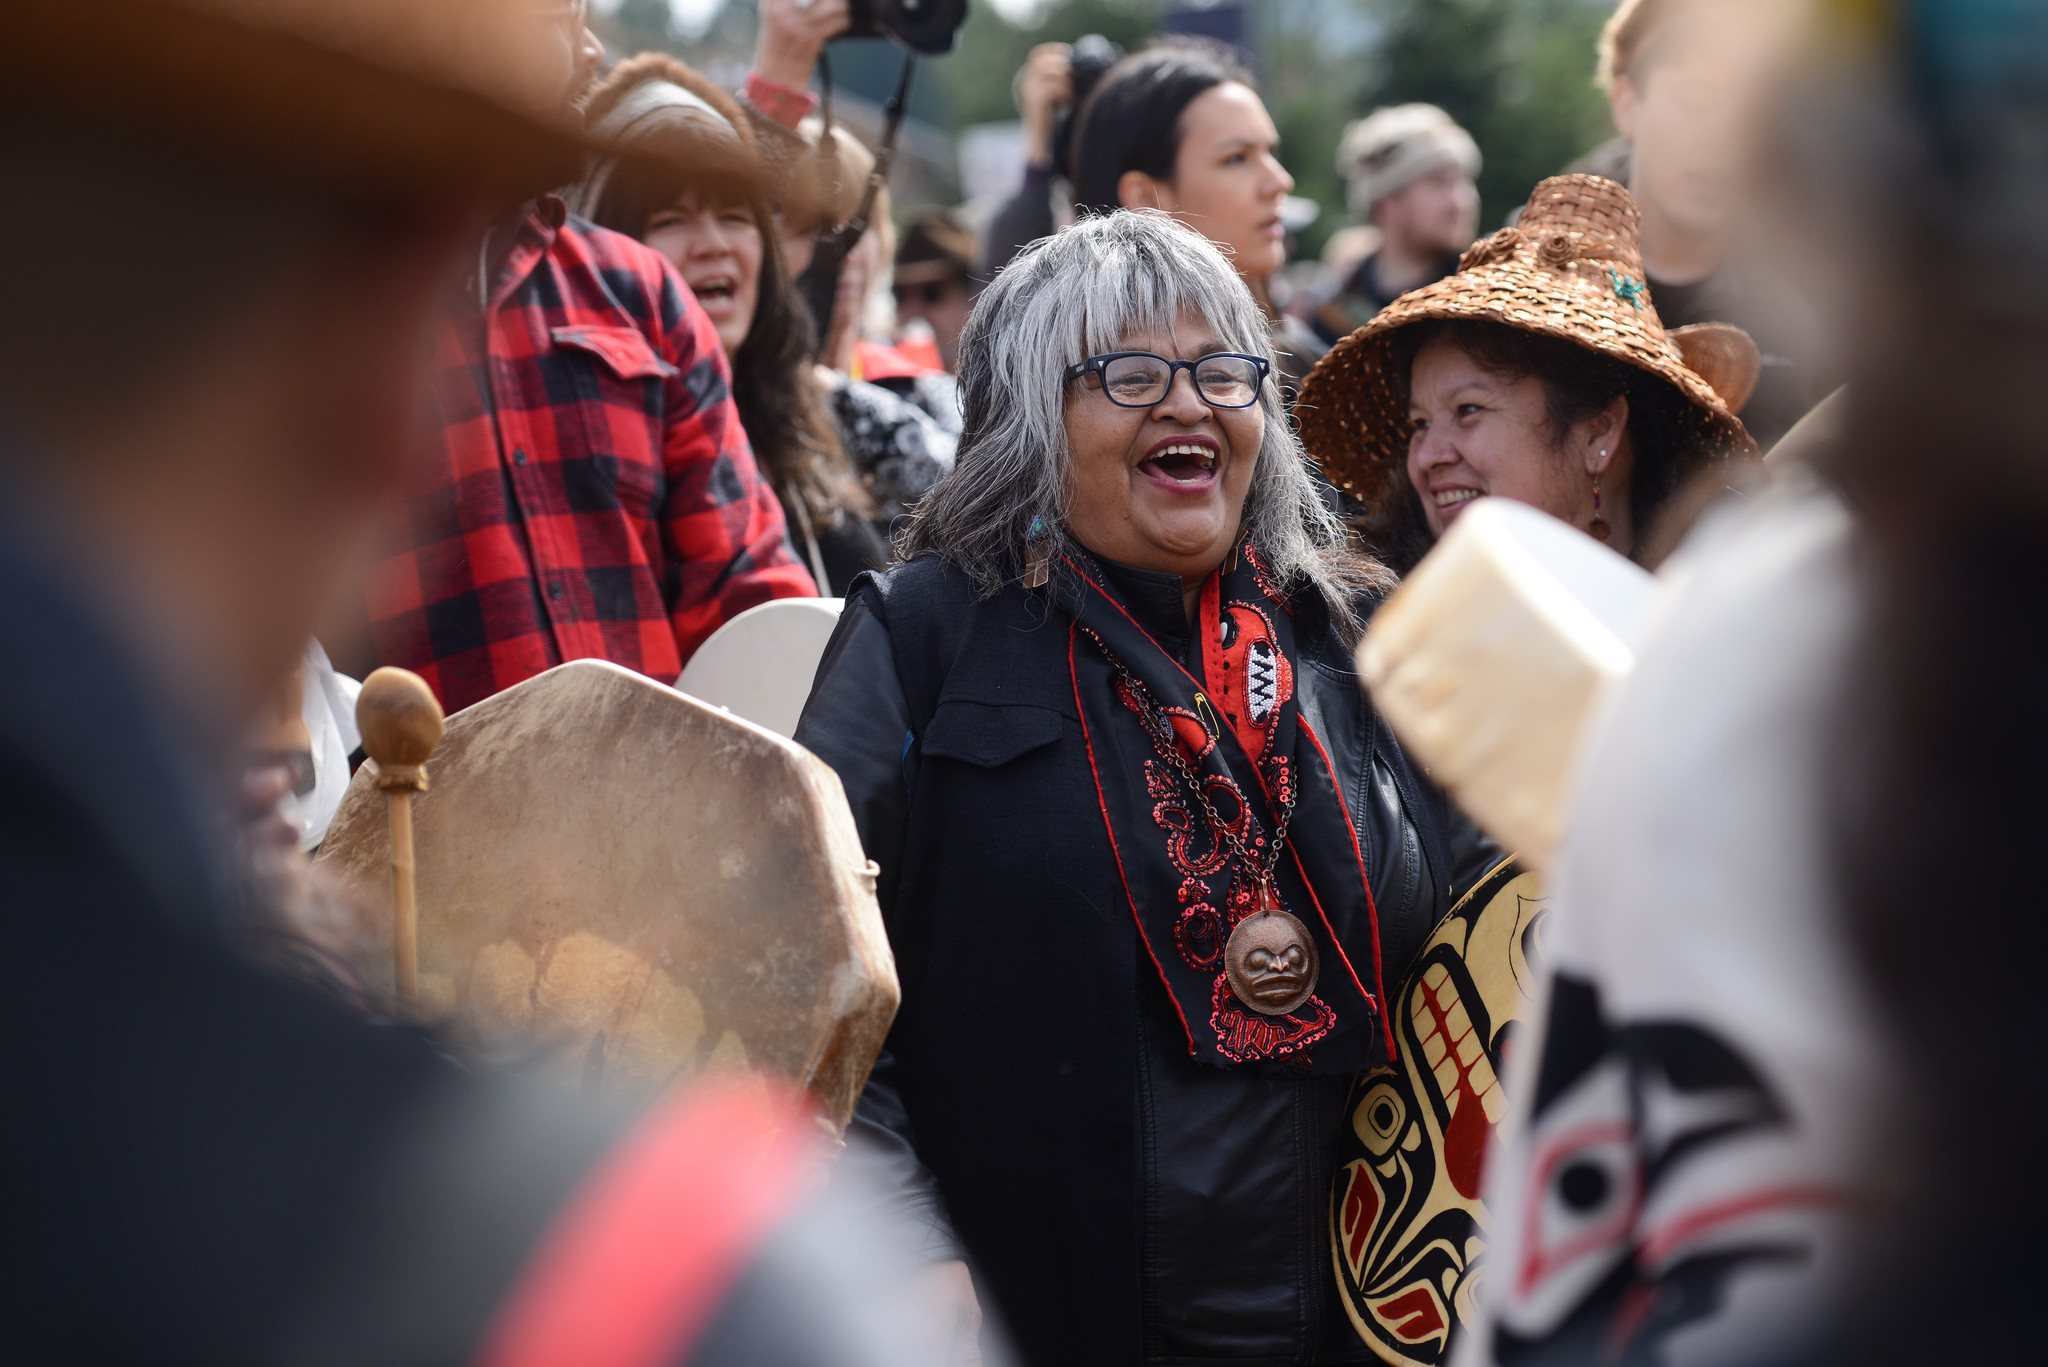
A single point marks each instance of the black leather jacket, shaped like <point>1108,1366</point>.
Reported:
<point>1119,1203</point>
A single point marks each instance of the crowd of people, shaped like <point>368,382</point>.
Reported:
<point>458,344</point>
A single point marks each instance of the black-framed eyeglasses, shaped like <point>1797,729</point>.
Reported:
<point>1139,379</point>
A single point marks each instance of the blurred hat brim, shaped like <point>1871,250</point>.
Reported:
<point>299,94</point>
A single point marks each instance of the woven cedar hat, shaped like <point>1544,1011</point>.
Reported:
<point>1572,268</point>
<point>419,95</point>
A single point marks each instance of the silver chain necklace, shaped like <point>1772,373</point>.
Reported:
<point>1270,959</point>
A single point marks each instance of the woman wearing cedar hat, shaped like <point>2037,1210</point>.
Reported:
<point>1149,860</point>
<point>1538,372</point>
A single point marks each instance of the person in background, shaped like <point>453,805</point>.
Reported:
<point>1101,733</point>
<point>1773,915</point>
<point>1685,101</point>
<point>224,1167</point>
<point>1347,247</point>
<point>860,338</point>
<point>899,419</point>
<point>777,92</point>
<point>1181,129</point>
<point>897,415</point>
<point>1539,372</point>
<point>934,280</point>
<point>1055,81</point>
<point>592,494</point>
<point>822,186</point>
<point>685,177</point>
<point>1408,172</point>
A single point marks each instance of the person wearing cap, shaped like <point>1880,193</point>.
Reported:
<point>1408,172</point>
<point>593,494</point>
<point>1685,98</point>
<point>212,1164</point>
<point>686,177</point>
<point>934,279</point>
<point>1539,371</point>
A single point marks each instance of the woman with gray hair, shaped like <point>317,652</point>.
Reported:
<point>1148,860</point>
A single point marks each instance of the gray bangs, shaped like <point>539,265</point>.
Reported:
<point>1080,293</point>
<point>1129,283</point>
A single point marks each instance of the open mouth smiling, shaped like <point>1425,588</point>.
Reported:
<point>1183,463</point>
<point>715,291</point>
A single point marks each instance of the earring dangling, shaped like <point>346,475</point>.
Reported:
<point>1600,529</point>
<point>1037,556</point>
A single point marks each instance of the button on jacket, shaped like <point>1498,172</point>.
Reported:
<point>1037,1105</point>
<point>592,494</point>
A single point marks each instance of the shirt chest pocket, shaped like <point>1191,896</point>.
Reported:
<point>619,386</point>
<point>988,735</point>
<point>996,786</point>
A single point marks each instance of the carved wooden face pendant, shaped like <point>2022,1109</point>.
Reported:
<point>1271,962</point>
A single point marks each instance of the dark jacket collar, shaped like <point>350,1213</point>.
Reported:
<point>1154,598</point>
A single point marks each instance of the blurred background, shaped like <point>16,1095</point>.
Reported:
<point>1517,74</point>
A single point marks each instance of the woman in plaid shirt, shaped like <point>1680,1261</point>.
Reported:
<point>592,494</point>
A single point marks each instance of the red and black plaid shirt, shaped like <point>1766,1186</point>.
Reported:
<point>592,494</point>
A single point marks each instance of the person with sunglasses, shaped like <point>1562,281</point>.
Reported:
<point>1149,862</point>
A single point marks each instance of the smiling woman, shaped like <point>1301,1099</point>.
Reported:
<point>688,180</point>
<point>1539,372</point>
<point>1161,469</point>
<point>1148,859</point>
<point>1057,457</point>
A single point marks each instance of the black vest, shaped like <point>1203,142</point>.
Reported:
<point>1120,1202</point>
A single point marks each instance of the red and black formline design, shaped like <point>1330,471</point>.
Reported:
<point>1242,737</point>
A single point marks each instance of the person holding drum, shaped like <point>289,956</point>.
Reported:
<point>1538,372</point>
<point>1149,860</point>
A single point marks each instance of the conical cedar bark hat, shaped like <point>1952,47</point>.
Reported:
<point>1571,268</point>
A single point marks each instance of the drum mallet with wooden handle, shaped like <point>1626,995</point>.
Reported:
<point>400,721</point>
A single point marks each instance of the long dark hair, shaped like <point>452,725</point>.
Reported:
<point>780,403</point>
<point>1577,384</point>
<point>1132,121</point>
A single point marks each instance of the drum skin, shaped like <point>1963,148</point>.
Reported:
<point>636,887</point>
<point>761,663</point>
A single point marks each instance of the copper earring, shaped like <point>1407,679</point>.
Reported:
<point>1601,530</point>
<point>1037,556</point>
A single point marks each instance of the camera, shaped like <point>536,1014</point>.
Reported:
<point>927,26</point>
<point>1093,56</point>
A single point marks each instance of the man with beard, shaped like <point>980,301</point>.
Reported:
<point>593,494</point>
<point>1409,170</point>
